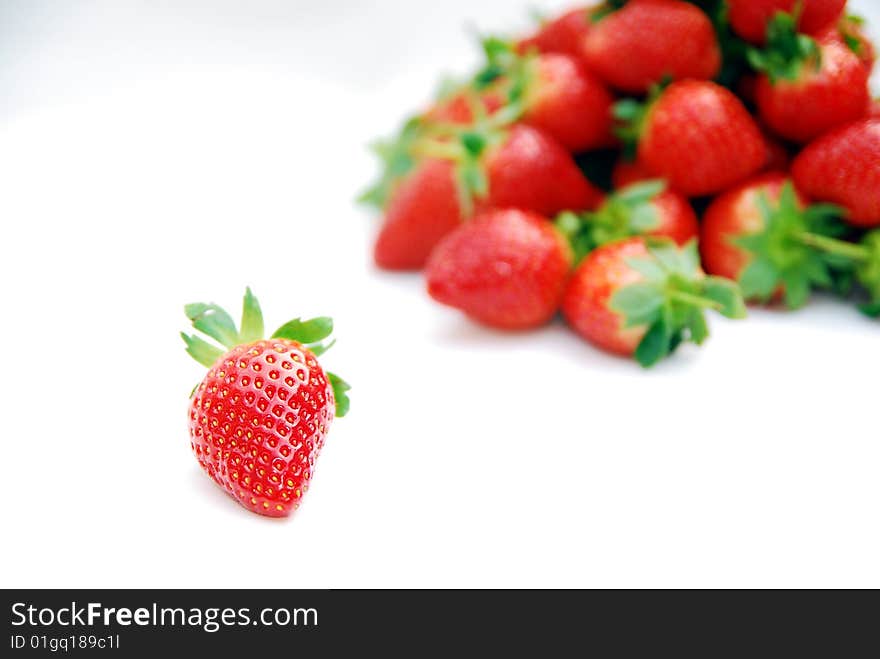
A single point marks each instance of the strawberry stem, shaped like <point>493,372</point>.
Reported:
<point>833,246</point>
<point>694,300</point>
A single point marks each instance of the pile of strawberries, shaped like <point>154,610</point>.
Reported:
<point>635,163</point>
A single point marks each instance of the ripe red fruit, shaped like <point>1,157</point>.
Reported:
<point>568,103</point>
<point>506,269</point>
<point>259,418</point>
<point>528,169</point>
<point>814,100</point>
<point>778,158</point>
<point>423,208</point>
<point>648,41</point>
<point>763,235</point>
<point>647,208</point>
<point>750,18</point>
<point>843,167</point>
<point>553,92</point>
<point>849,31</point>
<point>642,299</point>
<point>564,34</point>
<point>874,109</point>
<point>696,135</point>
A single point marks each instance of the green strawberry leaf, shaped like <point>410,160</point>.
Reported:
<point>396,160</point>
<point>213,321</point>
<point>200,350</point>
<point>251,319</point>
<point>727,294</point>
<point>340,389</point>
<point>787,51</point>
<point>319,349</point>
<point>305,331</point>
<point>654,346</point>
<point>696,325</point>
<point>759,280</point>
<point>639,304</point>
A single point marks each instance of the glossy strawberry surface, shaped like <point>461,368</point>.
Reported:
<point>258,421</point>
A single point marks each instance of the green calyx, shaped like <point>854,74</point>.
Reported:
<point>627,212</point>
<point>672,299</point>
<point>796,250</point>
<point>786,52</point>
<point>215,323</point>
<point>396,161</point>
<point>868,272</point>
<point>631,117</point>
<point>606,9</point>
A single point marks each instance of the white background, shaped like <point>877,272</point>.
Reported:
<point>154,153</point>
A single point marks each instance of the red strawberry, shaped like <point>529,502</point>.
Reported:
<point>636,298</point>
<point>696,135</point>
<point>259,418</point>
<point>569,103</point>
<point>647,41</point>
<point>516,168</point>
<point>458,108</point>
<point>808,88</point>
<point>423,208</point>
<point>843,167</point>
<point>874,109</point>
<point>627,172</point>
<point>849,31</point>
<point>641,209</point>
<point>552,92</point>
<point>564,34</point>
<point>762,235</point>
<point>527,169</point>
<point>778,157</point>
<point>750,18</point>
<point>506,269</point>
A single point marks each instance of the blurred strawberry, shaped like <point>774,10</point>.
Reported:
<point>643,299</point>
<point>843,167</point>
<point>627,171</point>
<point>694,134</point>
<point>506,269</point>
<point>750,18</point>
<point>564,34</point>
<point>806,87</point>
<point>648,41</point>
<point>647,208</point>
<point>850,32</point>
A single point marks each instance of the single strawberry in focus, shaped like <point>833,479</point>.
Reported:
<point>641,298</point>
<point>764,236</point>
<point>807,87</point>
<point>750,18</point>
<point>260,416</point>
<point>505,269</point>
<point>843,167</point>
<point>696,135</point>
<point>647,41</point>
<point>647,208</point>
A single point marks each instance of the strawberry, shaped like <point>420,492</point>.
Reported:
<point>750,18</point>
<point>520,167</point>
<point>874,109</point>
<point>564,34</point>
<point>641,209</point>
<point>807,87</point>
<point>553,92</point>
<point>648,41</point>
<point>849,31</point>
<point>696,135</point>
<point>778,157</point>
<point>505,269</point>
<point>260,416</point>
<point>639,298</point>
<point>423,208</point>
<point>763,235</point>
<point>843,167</point>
